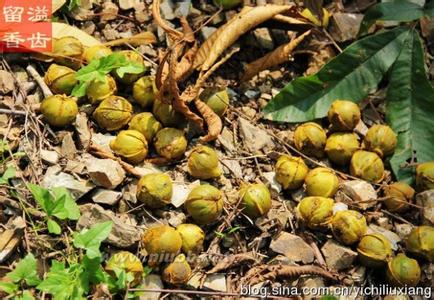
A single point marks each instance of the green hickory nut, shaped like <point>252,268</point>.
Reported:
<point>348,226</point>
<point>420,241</point>
<point>204,204</point>
<point>146,124</point>
<point>425,176</point>
<point>159,241</point>
<point>344,115</point>
<point>60,79</point>
<point>144,91</point>
<point>97,90</point>
<point>340,147</point>
<point>155,190</point>
<point>310,138</point>
<point>68,51</point>
<point>128,262</point>
<point>216,99</point>
<point>192,238</point>
<point>403,271</point>
<point>380,139</point>
<point>178,272</point>
<point>170,143</point>
<point>59,110</point>
<point>315,212</point>
<point>203,163</point>
<point>374,250</point>
<point>321,182</point>
<point>131,145</point>
<point>367,165</point>
<point>113,113</point>
<point>290,172</point>
<point>255,199</point>
<point>129,78</point>
<point>166,114</point>
<point>398,195</point>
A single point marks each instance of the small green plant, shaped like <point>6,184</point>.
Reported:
<point>7,175</point>
<point>228,232</point>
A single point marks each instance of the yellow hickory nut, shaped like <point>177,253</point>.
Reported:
<point>314,19</point>
<point>315,212</point>
<point>96,52</point>
<point>97,90</point>
<point>255,200</point>
<point>131,145</point>
<point>344,115</point>
<point>144,90</point>
<point>367,165</point>
<point>321,182</point>
<point>146,124</point>
<point>420,241</point>
<point>160,242</point>
<point>425,176</point>
<point>170,143</point>
<point>192,238</point>
<point>398,195</point>
<point>178,272</point>
<point>59,110</point>
<point>113,113</point>
<point>155,190</point>
<point>128,262</point>
<point>60,79</point>
<point>204,204</point>
<point>348,226</point>
<point>216,99</point>
<point>380,139</point>
<point>310,138</point>
<point>403,271</point>
<point>340,147</point>
<point>203,163</point>
<point>374,250</point>
<point>129,78</point>
<point>67,51</point>
<point>290,172</point>
<point>166,114</point>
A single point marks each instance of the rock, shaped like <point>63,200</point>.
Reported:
<point>7,84</point>
<point>234,167</point>
<point>9,241</point>
<point>426,200</point>
<point>49,157</point>
<point>74,166</point>
<point>345,26</point>
<point>181,191</point>
<point>166,8</point>
<point>252,94</point>
<point>393,238</point>
<point>129,192</point>
<point>360,192</point>
<point>312,283</point>
<point>272,182</point>
<point>81,14</point>
<point>68,148</point>
<point>127,4</point>
<point>206,31</point>
<point>110,34</point>
<point>403,230</point>
<point>361,128</point>
<point>123,234</point>
<point>103,140</point>
<point>293,247</point>
<point>216,282</point>
<point>109,11</point>
<point>76,187</point>
<point>89,27</point>
<point>249,112</point>
<point>140,13</point>
<point>338,257</point>
<point>174,218</point>
<point>264,39</point>
<point>82,128</point>
<point>108,197</point>
<point>104,172</point>
<point>254,138</point>
<point>183,8</point>
<point>195,280</point>
<point>152,282</point>
<point>226,138</point>
<point>339,206</point>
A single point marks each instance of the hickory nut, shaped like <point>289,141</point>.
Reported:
<point>204,204</point>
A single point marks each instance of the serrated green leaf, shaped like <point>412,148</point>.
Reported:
<point>90,239</point>
<point>410,108</point>
<point>7,175</point>
<point>25,270</point>
<point>53,227</point>
<point>132,68</point>
<point>8,287</point>
<point>351,75</point>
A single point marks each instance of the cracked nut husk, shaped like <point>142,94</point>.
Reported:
<point>155,190</point>
<point>170,143</point>
<point>420,241</point>
<point>60,79</point>
<point>374,250</point>
<point>128,262</point>
<point>321,182</point>
<point>315,212</point>
<point>165,113</point>
<point>204,204</point>
<point>113,113</point>
<point>129,78</point>
<point>67,51</point>
<point>144,90</point>
<point>203,163</point>
<point>97,90</point>
<point>216,99</point>
<point>255,200</point>
<point>367,165</point>
<point>348,226</point>
<point>344,115</point>
<point>192,238</point>
<point>160,241</point>
<point>403,271</point>
<point>397,196</point>
<point>227,4</point>
<point>311,17</point>
<point>290,172</point>
<point>131,145</point>
<point>178,272</point>
<point>425,176</point>
<point>310,138</point>
<point>340,147</point>
<point>96,52</point>
<point>146,124</point>
<point>380,139</point>
<point>59,110</point>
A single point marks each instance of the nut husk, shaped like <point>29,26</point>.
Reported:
<point>216,99</point>
<point>166,114</point>
<point>113,113</point>
<point>192,238</point>
<point>321,182</point>
<point>160,241</point>
<point>315,212</point>
<point>131,145</point>
<point>403,271</point>
<point>170,143</point>
<point>367,165</point>
<point>203,163</point>
<point>99,90</point>
<point>60,79</point>
<point>340,147</point>
<point>255,199</point>
<point>59,110</point>
<point>67,51</point>
<point>398,195</point>
<point>344,115</point>
<point>348,226</point>
<point>420,241</point>
<point>129,78</point>
<point>314,19</point>
<point>380,139</point>
<point>128,262</point>
<point>178,272</point>
<point>204,204</point>
<point>146,124</point>
<point>374,250</point>
<point>310,138</point>
<point>290,171</point>
<point>425,176</point>
<point>96,52</point>
<point>144,90</point>
<point>155,190</point>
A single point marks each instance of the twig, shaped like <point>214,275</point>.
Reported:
<point>12,112</point>
<point>39,80</point>
<point>396,217</point>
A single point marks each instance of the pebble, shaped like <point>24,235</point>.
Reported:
<point>109,12</point>
<point>152,282</point>
<point>76,187</point>
<point>127,4</point>
<point>50,157</point>
<point>254,138</point>
<point>166,7</point>
<point>338,257</point>
<point>426,200</point>
<point>68,148</point>
<point>207,31</point>
<point>360,192</point>
<point>293,247</point>
<point>104,172</point>
<point>263,37</point>
<point>216,282</point>
<point>403,230</point>
<point>104,196</point>
<point>6,82</point>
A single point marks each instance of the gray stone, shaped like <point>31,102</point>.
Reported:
<point>127,4</point>
<point>109,11</point>
<point>263,37</point>
<point>104,172</point>
<point>360,192</point>
<point>7,84</point>
<point>183,8</point>
<point>234,167</point>
<point>216,282</point>
<point>272,182</point>
<point>206,31</point>
<point>110,34</point>
<point>49,157</point>
<point>338,257</point>
<point>254,138</point>
<point>426,200</point>
<point>82,128</point>
<point>166,8</point>
<point>103,140</point>
<point>226,138</point>
<point>293,247</point>
<point>108,197</point>
<point>403,230</point>
<point>76,187</point>
<point>68,148</point>
<point>152,282</point>
<point>345,26</point>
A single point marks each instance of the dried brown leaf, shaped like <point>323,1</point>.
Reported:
<point>185,66</point>
<point>233,261</point>
<point>289,20</point>
<point>173,33</point>
<point>273,58</point>
<point>139,39</point>
<point>213,121</point>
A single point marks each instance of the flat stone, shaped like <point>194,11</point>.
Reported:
<point>360,192</point>
<point>108,197</point>
<point>393,238</point>
<point>104,172</point>
<point>50,157</point>
<point>403,230</point>
<point>7,84</point>
<point>345,26</point>
<point>426,200</point>
<point>103,140</point>
<point>127,4</point>
<point>82,128</point>
<point>216,282</point>
<point>166,8</point>
<point>270,178</point>
<point>181,191</point>
<point>293,247</point>
<point>140,13</point>
<point>226,138</point>
<point>152,282</point>
<point>254,138</point>
<point>75,166</point>
<point>109,11</point>
<point>76,187</point>
<point>338,257</point>
<point>234,167</point>
<point>68,148</point>
<point>263,37</point>
<point>110,34</point>
<point>207,31</point>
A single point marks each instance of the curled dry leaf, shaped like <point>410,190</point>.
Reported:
<point>62,30</point>
<point>213,121</point>
<point>139,39</point>
<point>289,20</point>
<point>273,58</point>
<point>232,261</point>
<point>173,33</point>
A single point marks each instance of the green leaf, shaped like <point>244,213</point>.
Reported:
<point>410,108</point>
<point>132,68</point>
<point>73,4</point>
<point>25,270</point>
<point>42,196</point>
<point>65,208</point>
<point>26,295</point>
<point>351,75</point>
<point>8,174</point>
<point>8,287</point>
<point>53,227</point>
<point>90,239</point>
